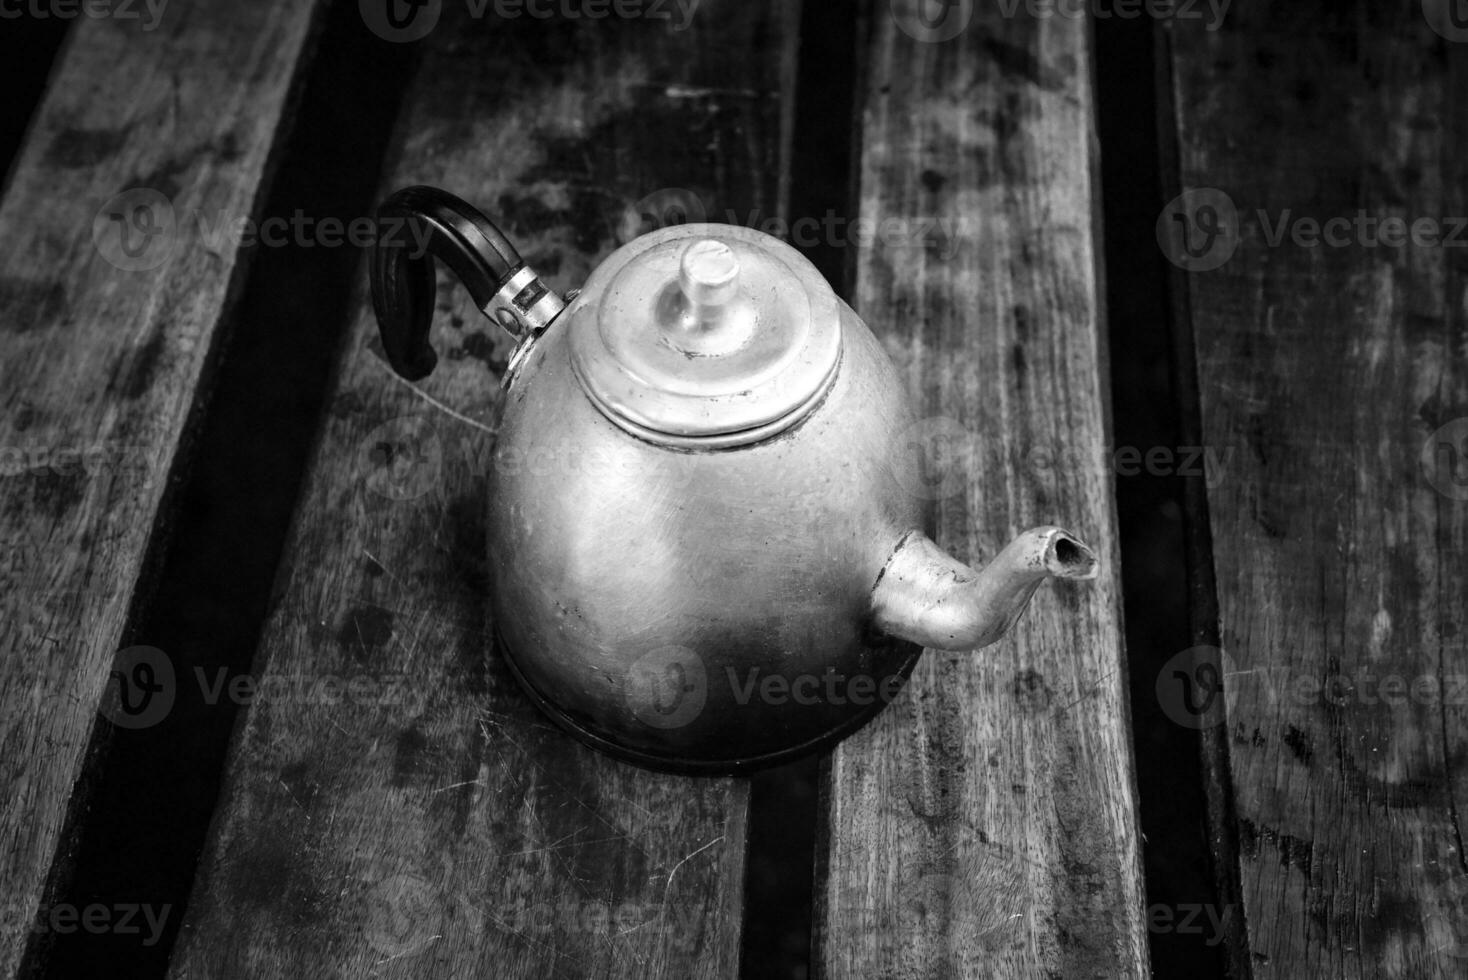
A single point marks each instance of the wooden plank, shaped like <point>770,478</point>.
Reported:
<point>985,824</point>
<point>104,342</point>
<point>437,824</point>
<point>1334,376</point>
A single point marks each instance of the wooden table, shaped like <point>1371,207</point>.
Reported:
<point>250,723</point>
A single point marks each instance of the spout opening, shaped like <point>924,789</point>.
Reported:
<point>1069,558</point>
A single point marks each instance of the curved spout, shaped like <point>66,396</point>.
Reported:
<point>928,598</point>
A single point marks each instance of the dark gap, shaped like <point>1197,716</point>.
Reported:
<point>824,158</point>
<point>1203,622</point>
<point>139,836</point>
<point>1152,499</point>
<point>28,48</point>
<point>780,874</point>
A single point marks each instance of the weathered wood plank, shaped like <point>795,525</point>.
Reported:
<point>984,825</point>
<point>437,824</point>
<point>1334,377</point>
<point>103,345</point>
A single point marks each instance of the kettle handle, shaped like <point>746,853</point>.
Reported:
<point>417,224</point>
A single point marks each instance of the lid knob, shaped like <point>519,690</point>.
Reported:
<point>709,273</point>
<point>709,318</point>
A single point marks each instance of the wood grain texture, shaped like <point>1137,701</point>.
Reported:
<point>435,824</point>
<point>1332,375</point>
<point>101,362</point>
<point>985,824</point>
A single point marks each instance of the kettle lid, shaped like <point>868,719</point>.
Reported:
<point>706,336</point>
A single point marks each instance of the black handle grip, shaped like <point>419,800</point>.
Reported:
<point>414,226</point>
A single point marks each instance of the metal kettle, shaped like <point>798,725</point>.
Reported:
<point>731,573</point>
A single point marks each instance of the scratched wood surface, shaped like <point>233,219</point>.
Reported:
<point>985,824</point>
<point>109,310</point>
<point>1335,374</point>
<point>434,824</point>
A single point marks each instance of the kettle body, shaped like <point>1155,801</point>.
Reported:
<point>659,600</point>
<point>703,534</point>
